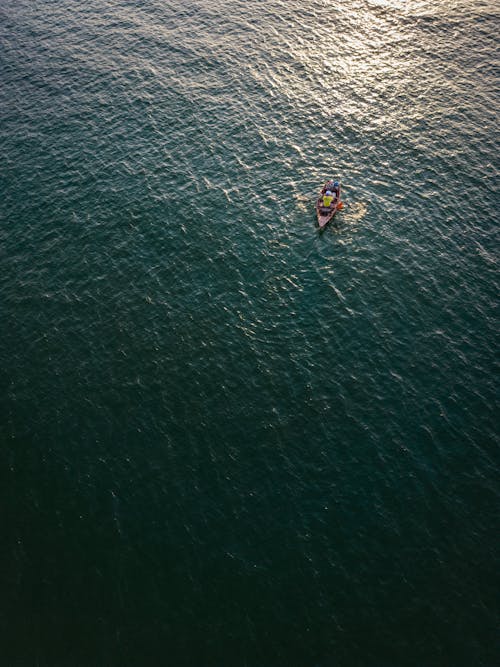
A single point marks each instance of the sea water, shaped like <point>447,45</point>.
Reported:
<point>228,439</point>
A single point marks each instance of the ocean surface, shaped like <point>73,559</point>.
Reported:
<point>228,439</point>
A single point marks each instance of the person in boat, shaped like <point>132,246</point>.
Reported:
<point>334,186</point>
<point>328,198</point>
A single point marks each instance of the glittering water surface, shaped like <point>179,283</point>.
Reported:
<point>226,438</point>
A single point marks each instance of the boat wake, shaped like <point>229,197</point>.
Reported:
<point>355,212</point>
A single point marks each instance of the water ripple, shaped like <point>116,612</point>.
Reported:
<point>221,427</point>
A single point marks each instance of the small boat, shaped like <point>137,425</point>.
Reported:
<point>326,213</point>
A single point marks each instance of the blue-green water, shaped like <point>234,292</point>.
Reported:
<point>227,439</point>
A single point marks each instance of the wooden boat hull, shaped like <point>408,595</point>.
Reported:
<point>325,214</point>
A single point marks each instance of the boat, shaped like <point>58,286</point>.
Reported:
<point>326,213</point>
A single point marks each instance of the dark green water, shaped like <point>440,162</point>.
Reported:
<point>227,439</point>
